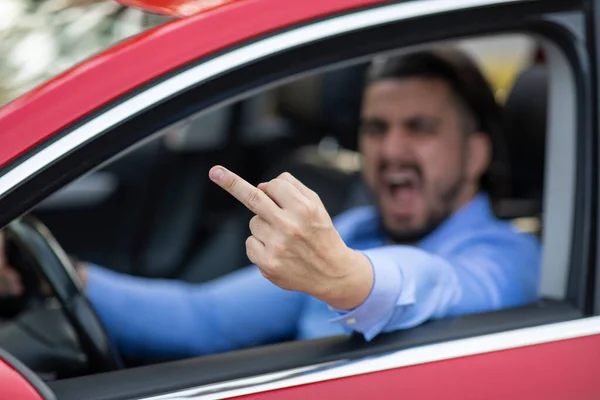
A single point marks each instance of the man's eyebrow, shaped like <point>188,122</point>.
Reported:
<point>421,118</point>
<point>427,117</point>
<point>372,120</point>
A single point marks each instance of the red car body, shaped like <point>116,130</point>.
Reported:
<point>551,361</point>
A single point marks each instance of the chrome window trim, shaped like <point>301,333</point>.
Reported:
<point>262,48</point>
<point>398,359</point>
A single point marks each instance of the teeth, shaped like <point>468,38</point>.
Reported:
<point>398,180</point>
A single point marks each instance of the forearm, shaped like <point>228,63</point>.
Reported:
<point>149,317</point>
<point>152,317</point>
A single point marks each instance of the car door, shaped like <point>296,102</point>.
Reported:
<point>545,350</point>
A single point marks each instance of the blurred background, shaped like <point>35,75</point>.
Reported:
<point>41,38</point>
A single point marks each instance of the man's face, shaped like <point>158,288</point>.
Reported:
<point>418,160</point>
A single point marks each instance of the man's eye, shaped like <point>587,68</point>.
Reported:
<point>422,126</point>
<point>373,129</point>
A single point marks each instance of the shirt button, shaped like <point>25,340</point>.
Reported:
<point>351,321</point>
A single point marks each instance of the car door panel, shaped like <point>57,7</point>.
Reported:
<point>19,382</point>
<point>561,370</point>
<point>201,373</point>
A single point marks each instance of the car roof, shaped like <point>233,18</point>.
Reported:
<point>176,8</point>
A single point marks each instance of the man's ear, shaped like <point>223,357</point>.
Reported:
<point>480,155</point>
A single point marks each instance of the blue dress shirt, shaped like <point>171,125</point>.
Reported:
<point>472,263</point>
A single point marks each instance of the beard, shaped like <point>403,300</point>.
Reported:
<point>443,205</point>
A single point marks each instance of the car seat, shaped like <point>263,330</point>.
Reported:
<point>525,122</point>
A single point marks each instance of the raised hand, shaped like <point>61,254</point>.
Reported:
<point>294,242</point>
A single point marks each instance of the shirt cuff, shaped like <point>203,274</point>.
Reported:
<point>373,314</point>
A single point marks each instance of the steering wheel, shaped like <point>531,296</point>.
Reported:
<point>53,264</point>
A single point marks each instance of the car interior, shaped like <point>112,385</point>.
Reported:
<point>152,212</point>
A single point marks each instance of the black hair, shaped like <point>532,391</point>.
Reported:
<point>469,85</point>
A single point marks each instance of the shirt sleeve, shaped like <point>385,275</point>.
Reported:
<point>411,285</point>
<point>168,318</point>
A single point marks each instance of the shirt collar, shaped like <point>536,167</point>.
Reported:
<point>473,213</point>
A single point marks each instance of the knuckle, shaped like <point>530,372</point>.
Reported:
<point>294,232</point>
<point>269,273</point>
<point>308,208</point>
<point>254,222</point>
<point>265,273</point>
<point>231,184</point>
<point>290,229</point>
<point>280,219</point>
<point>274,183</point>
<point>249,246</point>
<point>253,198</point>
<point>278,248</point>
<point>250,249</point>
<point>285,175</point>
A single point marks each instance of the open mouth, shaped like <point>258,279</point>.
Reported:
<point>402,190</point>
<point>400,182</point>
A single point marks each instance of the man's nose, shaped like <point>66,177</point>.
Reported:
<point>397,144</point>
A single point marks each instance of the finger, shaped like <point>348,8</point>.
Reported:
<point>298,185</point>
<point>254,199</point>
<point>255,250</point>
<point>284,194</point>
<point>261,229</point>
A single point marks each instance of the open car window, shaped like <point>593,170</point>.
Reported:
<point>185,228</point>
<point>152,212</point>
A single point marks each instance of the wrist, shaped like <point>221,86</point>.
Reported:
<point>354,287</point>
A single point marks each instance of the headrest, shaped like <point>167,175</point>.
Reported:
<point>341,102</point>
<point>525,114</point>
<point>327,104</point>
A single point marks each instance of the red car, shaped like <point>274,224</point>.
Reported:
<point>112,154</point>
